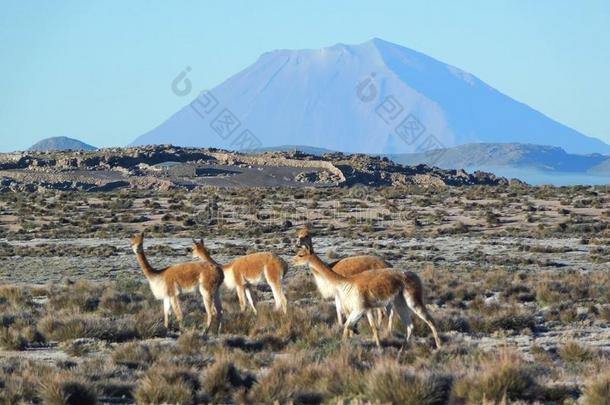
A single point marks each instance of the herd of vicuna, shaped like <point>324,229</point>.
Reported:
<point>358,284</point>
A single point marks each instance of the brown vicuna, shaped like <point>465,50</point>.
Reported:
<point>248,270</point>
<point>168,283</point>
<point>345,267</point>
<point>365,291</point>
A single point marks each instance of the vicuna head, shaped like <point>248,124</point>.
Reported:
<point>137,242</point>
<point>302,256</point>
<point>304,238</point>
<point>199,249</point>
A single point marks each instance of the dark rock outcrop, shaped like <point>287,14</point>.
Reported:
<point>146,167</point>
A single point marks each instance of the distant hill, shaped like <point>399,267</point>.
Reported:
<point>513,155</point>
<point>60,143</point>
<point>375,97</point>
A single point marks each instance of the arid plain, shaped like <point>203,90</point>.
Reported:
<point>517,278</point>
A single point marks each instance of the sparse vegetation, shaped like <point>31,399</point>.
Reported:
<point>516,278</point>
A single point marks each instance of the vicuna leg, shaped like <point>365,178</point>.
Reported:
<point>241,296</point>
<point>275,282</point>
<point>279,297</point>
<point>166,306</point>
<point>339,309</point>
<point>351,321</point>
<point>218,307</point>
<point>404,314</point>
<point>420,310</point>
<point>250,300</point>
<point>390,311</point>
<point>177,310</point>
<point>371,319</point>
<point>379,317</point>
<point>209,309</point>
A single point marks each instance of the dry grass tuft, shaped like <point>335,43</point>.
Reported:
<point>497,378</point>
<point>75,326</point>
<point>11,339</point>
<point>388,382</point>
<point>133,355</point>
<point>14,296</point>
<point>190,342</point>
<point>572,352</point>
<point>65,389</point>
<point>222,378</point>
<point>597,390</point>
<point>148,323</point>
<point>167,384</point>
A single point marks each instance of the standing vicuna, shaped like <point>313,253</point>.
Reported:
<point>247,270</point>
<point>365,291</point>
<point>346,267</point>
<point>168,283</point>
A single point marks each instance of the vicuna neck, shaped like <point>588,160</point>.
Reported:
<point>319,267</point>
<point>206,257</point>
<point>143,262</point>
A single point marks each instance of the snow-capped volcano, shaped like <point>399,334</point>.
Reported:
<point>376,97</point>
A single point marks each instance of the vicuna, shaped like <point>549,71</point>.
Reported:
<point>365,291</point>
<point>250,270</point>
<point>166,284</point>
<point>346,267</point>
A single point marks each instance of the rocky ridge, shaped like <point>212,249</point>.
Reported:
<point>152,167</point>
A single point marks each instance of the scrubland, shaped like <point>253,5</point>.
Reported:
<point>517,278</point>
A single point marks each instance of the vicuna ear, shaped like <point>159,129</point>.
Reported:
<point>201,241</point>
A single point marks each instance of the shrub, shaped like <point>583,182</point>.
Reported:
<point>13,295</point>
<point>546,294</point>
<point>497,379</point>
<point>169,384</point>
<point>11,339</point>
<point>132,354</point>
<point>190,342</point>
<point>113,302</point>
<point>572,352</point>
<point>81,296</point>
<point>390,383</point>
<point>148,324</point>
<point>604,313</point>
<point>221,378</point>
<point>275,385</point>
<point>85,326</point>
<point>63,389</point>
<point>597,391</point>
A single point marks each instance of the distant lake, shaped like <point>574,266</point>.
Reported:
<point>537,178</point>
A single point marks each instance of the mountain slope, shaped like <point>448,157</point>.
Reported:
<point>525,156</point>
<point>352,99</point>
<point>60,143</point>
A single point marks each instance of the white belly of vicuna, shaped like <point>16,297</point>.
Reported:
<point>229,280</point>
<point>350,298</point>
<point>189,288</point>
<point>158,288</point>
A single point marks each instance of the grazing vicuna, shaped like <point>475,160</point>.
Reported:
<point>168,283</point>
<point>345,267</point>
<point>365,291</point>
<point>248,270</point>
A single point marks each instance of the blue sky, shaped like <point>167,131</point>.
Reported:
<point>102,71</point>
